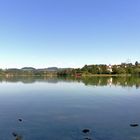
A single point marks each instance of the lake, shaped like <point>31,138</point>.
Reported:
<point>38,108</point>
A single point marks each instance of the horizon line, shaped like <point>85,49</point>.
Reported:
<point>65,67</point>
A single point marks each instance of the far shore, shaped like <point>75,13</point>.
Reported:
<point>83,75</point>
<point>105,75</point>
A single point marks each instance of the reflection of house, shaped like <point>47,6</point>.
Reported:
<point>109,81</point>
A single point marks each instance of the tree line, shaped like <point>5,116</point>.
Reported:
<point>100,69</point>
<point>123,68</point>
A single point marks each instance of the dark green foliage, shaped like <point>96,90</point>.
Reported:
<point>124,68</point>
<point>136,63</point>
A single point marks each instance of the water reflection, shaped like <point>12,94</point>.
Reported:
<point>66,109</point>
<point>124,81</point>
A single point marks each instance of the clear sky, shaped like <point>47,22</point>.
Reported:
<point>68,33</point>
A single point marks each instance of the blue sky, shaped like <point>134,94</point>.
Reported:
<point>68,33</point>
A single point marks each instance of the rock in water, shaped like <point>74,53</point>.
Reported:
<point>20,120</point>
<point>87,138</point>
<point>14,134</point>
<point>86,131</point>
<point>18,138</point>
<point>134,125</point>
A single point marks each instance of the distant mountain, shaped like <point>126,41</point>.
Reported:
<point>28,69</point>
<point>49,69</point>
<point>52,69</point>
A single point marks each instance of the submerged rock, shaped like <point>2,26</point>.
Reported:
<point>87,138</point>
<point>18,138</point>
<point>20,120</point>
<point>134,125</point>
<point>14,134</point>
<point>85,130</point>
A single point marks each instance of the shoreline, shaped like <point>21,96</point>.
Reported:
<point>83,75</point>
<point>107,75</point>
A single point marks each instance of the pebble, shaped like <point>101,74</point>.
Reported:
<point>20,120</point>
<point>14,134</point>
<point>86,131</point>
<point>87,138</point>
<point>134,125</point>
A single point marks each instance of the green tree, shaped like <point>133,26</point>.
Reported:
<point>136,63</point>
<point>137,71</point>
<point>114,69</point>
<point>121,70</point>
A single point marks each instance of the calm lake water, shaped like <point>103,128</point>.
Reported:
<point>60,108</point>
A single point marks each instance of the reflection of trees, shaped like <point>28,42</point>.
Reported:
<point>23,79</point>
<point>123,81</point>
<point>95,81</point>
<point>15,79</point>
<point>126,81</point>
